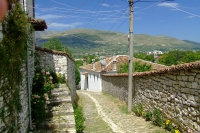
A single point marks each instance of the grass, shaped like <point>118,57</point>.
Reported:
<point>124,109</point>
<point>78,114</point>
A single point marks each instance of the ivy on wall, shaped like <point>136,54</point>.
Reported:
<point>12,64</point>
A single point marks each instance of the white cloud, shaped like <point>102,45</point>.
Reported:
<point>48,16</point>
<point>165,4</point>
<point>192,16</point>
<point>105,5</point>
<point>61,26</point>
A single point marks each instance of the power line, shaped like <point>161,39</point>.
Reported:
<point>182,10</point>
<point>69,12</point>
<point>115,22</point>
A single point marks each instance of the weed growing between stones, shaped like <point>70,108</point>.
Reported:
<point>138,109</point>
<point>155,117</point>
<point>148,116</point>
<point>79,118</point>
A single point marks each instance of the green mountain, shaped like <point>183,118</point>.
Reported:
<point>81,41</point>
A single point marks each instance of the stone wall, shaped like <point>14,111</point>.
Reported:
<point>23,116</point>
<point>71,77</point>
<point>59,62</point>
<point>175,91</point>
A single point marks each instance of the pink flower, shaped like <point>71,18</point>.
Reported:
<point>45,106</point>
<point>36,96</point>
<point>51,77</point>
<point>43,71</point>
<point>189,130</point>
<point>45,95</point>
<point>47,73</point>
<point>47,102</point>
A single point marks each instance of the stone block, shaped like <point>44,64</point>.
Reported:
<point>194,85</point>
<point>182,84</point>
<point>191,97</point>
<point>185,78</point>
<point>191,78</point>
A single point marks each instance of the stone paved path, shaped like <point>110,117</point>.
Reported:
<point>103,115</point>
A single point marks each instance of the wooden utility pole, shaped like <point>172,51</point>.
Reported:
<point>130,74</point>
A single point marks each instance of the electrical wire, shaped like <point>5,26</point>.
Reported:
<point>182,10</point>
<point>115,22</point>
<point>69,12</point>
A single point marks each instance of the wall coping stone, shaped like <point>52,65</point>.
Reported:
<point>170,69</point>
<point>53,52</point>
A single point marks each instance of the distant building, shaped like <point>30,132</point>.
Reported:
<point>91,73</point>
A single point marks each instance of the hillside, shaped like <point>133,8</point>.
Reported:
<point>88,41</point>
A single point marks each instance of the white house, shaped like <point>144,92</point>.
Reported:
<point>91,73</point>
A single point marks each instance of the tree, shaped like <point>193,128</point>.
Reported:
<point>55,44</point>
<point>144,56</point>
<point>137,67</point>
<point>177,57</point>
<point>89,58</point>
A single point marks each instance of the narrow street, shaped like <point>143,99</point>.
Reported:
<point>106,114</point>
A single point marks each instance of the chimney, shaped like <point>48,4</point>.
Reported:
<point>93,64</point>
<point>114,65</point>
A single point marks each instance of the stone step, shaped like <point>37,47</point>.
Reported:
<point>58,123</point>
<point>60,89</point>
<point>60,111</point>
<point>63,106</point>
<point>67,130</point>
<point>58,94</point>
<point>58,101</point>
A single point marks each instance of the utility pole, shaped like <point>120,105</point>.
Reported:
<point>130,74</point>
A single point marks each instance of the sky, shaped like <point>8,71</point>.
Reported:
<point>179,18</point>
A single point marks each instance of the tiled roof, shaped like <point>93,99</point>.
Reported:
<point>170,69</point>
<point>97,65</point>
<point>120,60</point>
<point>53,52</point>
<point>39,22</point>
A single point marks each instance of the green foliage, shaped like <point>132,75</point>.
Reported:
<point>177,57</point>
<point>138,109</point>
<point>148,116</point>
<point>41,92</point>
<point>77,76</point>
<point>79,63</point>
<point>144,56</point>
<point>61,78</point>
<point>137,67</point>
<point>55,44</point>
<point>157,117</point>
<point>16,34</point>
<point>89,58</point>
<point>79,118</point>
<point>168,126</point>
<point>141,67</point>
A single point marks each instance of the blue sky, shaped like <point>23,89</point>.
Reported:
<point>178,18</point>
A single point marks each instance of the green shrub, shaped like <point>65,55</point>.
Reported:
<point>61,78</point>
<point>79,118</point>
<point>157,117</point>
<point>41,92</point>
<point>148,116</point>
<point>138,109</point>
